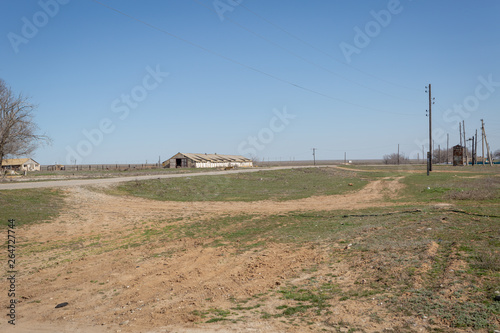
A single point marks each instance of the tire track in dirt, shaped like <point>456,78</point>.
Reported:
<point>88,212</point>
<point>133,286</point>
<point>372,195</point>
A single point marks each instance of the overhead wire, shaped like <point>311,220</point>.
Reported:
<point>154,27</point>
<point>322,51</point>
<point>301,57</point>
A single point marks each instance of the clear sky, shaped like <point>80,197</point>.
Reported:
<point>132,81</point>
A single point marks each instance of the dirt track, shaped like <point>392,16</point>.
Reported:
<point>134,290</point>
<point>107,181</point>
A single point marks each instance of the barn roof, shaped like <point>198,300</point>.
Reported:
<point>16,161</point>
<point>216,158</point>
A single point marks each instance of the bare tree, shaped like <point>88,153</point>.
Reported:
<point>395,159</point>
<point>442,155</point>
<point>496,154</point>
<point>18,131</point>
<point>255,160</point>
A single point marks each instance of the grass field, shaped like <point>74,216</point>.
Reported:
<point>263,185</point>
<point>428,261</point>
<point>29,206</point>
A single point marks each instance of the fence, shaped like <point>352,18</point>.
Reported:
<point>100,167</point>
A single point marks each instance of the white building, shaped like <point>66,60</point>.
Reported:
<point>186,160</point>
<point>20,164</point>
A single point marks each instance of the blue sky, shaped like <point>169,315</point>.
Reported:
<point>132,81</point>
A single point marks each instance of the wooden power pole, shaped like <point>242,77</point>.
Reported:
<point>487,146</point>
<point>314,155</point>
<point>430,128</point>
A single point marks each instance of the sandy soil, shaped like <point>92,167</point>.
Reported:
<point>156,287</point>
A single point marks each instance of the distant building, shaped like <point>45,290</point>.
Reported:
<point>186,160</point>
<point>458,155</point>
<point>56,167</point>
<point>20,164</point>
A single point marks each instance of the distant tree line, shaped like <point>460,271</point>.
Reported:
<point>396,159</point>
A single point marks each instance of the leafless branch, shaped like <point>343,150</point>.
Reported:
<point>18,131</point>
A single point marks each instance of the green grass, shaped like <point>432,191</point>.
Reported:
<point>262,185</point>
<point>316,299</point>
<point>30,206</point>
<point>395,248</point>
<point>388,255</point>
<point>452,187</point>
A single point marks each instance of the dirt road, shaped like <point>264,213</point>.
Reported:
<point>79,258</point>
<point>104,181</point>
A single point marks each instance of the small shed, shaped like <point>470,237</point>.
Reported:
<point>56,167</point>
<point>20,164</point>
<point>188,160</point>
<point>458,155</point>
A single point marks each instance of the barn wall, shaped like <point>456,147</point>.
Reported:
<point>222,164</point>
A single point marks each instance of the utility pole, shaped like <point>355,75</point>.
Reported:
<point>314,155</point>
<point>465,144</point>
<point>473,159</point>
<point>482,140</point>
<point>439,153</point>
<point>467,157</point>
<point>475,149</point>
<point>487,147</point>
<point>398,153</point>
<point>447,148</point>
<point>345,157</point>
<point>430,127</point>
<point>460,132</point>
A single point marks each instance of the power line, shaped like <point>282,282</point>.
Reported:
<point>299,56</point>
<point>242,64</point>
<point>322,51</point>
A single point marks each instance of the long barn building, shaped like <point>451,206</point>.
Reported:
<point>187,160</point>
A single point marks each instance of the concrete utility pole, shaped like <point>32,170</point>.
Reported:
<point>314,155</point>
<point>482,140</point>
<point>475,149</point>
<point>472,148</point>
<point>465,144</point>
<point>430,127</point>
<point>398,153</point>
<point>460,132</point>
<point>447,148</point>
<point>487,147</point>
<point>468,140</point>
